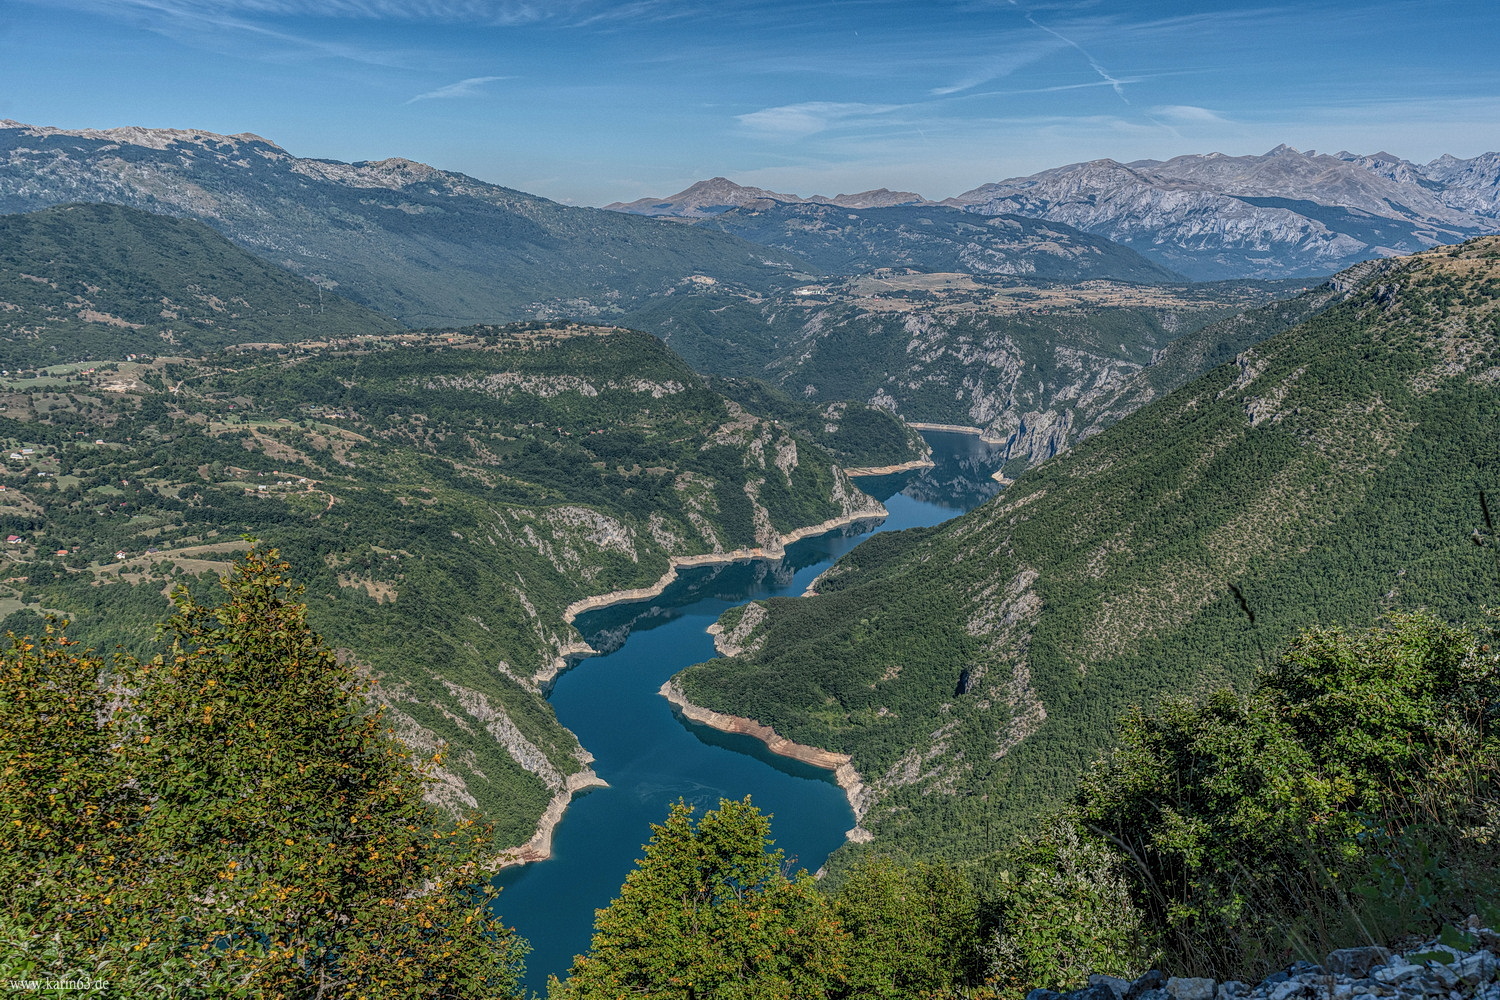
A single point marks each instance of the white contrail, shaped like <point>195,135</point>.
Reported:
<point>1116,84</point>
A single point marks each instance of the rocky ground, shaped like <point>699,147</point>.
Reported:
<point>1430,971</point>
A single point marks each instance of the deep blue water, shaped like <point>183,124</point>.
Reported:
<point>651,757</point>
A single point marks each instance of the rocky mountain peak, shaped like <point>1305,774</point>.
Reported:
<point>705,198</point>
<point>1283,213</point>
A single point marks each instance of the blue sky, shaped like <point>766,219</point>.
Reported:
<point>589,101</point>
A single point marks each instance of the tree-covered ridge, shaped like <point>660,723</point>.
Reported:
<point>228,818</point>
<point>95,282</point>
<point>1334,471</point>
<point>484,479</point>
<point>1348,799</point>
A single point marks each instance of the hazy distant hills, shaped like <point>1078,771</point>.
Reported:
<point>718,194</point>
<point>1283,214</point>
<point>93,282</point>
<point>424,245</point>
<point>1211,216</point>
<point>840,239</point>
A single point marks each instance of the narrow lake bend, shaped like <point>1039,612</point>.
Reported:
<point>652,757</point>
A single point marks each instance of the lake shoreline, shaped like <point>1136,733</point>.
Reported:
<point>979,432</point>
<point>539,847</point>
<point>890,470</point>
<point>859,795</point>
<point>578,650</point>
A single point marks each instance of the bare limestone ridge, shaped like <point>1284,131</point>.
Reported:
<point>1283,214</point>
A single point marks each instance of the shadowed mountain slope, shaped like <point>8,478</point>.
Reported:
<point>83,282</point>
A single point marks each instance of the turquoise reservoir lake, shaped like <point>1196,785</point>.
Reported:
<point>652,757</point>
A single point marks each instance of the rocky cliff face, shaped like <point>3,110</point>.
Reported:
<point>1035,369</point>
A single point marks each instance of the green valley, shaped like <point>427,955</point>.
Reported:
<point>1036,365</point>
<point>446,494</point>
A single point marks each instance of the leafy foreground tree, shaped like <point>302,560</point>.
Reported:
<point>913,929</point>
<point>711,913</point>
<point>230,819</point>
<point>1354,795</point>
<point>1061,910</point>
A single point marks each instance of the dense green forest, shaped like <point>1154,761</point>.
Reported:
<point>227,818</point>
<point>1333,472</point>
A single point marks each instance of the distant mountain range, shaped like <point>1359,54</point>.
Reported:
<point>1284,214</point>
<point>843,239</point>
<point>719,194</point>
<point>430,246</point>
<point>426,246</point>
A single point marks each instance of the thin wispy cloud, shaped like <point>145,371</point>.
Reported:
<point>1001,66</point>
<point>213,26</point>
<point>463,88</point>
<point>1055,89</point>
<point>491,13</point>
<point>1188,114</point>
<point>793,121</point>
<point>858,92</point>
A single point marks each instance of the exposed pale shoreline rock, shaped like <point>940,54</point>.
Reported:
<point>982,434</point>
<point>888,470</point>
<point>859,794</point>
<point>581,649</point>
<point>539,847</point>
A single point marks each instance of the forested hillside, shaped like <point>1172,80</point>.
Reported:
<point>483,479</point>
<point>1335,471</point>
<point>1260,844</point>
